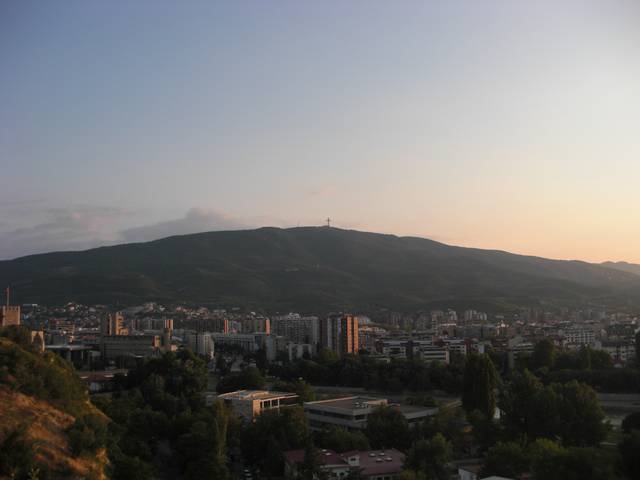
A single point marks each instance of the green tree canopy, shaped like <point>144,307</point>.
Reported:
<point>387,428</point>
<point>631,422</point>
<point>342,440</point>
<point>480,382</point>
<point>568,411</point>
<point>629,449</point>
<point>430,456</point>
<point>248,379</point>
<point>544,354</point>
<point>506,459</point>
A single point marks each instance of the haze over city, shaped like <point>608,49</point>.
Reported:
<point>498,124</point>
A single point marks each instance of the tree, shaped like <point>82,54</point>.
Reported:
<point>412,475</point>
<point>629,449</point>
<point>250,378</point>
<point>631,422</point>
<point>87,434</point>
<point>480,381</point>
<point>387,428</point>
<point>272,433</point>
<point>300,387</point>
<point>569,411</point>
<point>485,430</point>
<point>579,464</point>
<point>311,466</point>
<point>507,460</point>
<point>222,366</point>
<point>430,456</point>
<point>584,358</point>
<point>581,421</point>
<point>127,467</point>
<point>201,448</point>
<point>544,354</point>
<point>544,454</point>
<point>600,359</point>
<point>326,355</point>
<point>342,440</point>
<point>16,454</point>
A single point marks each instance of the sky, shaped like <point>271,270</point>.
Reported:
<point>501,124</point>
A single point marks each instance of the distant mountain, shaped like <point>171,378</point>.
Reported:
<point>623,267</point>
<point>313,269</point>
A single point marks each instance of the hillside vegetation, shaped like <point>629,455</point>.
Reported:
<point>313,268</point>
<point>44,428</point>
<point>48,427</point>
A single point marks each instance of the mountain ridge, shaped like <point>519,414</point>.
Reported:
<point>313,269</point>
<point>623,266</point>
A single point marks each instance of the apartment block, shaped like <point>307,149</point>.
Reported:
<point>340,334</point>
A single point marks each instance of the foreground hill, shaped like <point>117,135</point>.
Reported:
<point>45,427</point>
<point>312,268</point>
<point>41,400</point>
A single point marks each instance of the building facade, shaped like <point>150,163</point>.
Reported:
<point>340,334</point>
<point>200,343</point>
<point>352,413</point>
<point>248,404</point>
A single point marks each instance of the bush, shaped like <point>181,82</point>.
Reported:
<point>88,434</point>
<point>16,454</point>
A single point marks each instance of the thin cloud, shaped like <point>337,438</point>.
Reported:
<point>195,221</point>
<point>74,228</point>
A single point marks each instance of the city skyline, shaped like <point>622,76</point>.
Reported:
<point>506,125</point>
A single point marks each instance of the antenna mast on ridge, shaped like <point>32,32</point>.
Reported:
<point>328,222</point>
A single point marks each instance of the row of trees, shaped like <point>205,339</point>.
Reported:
<point>569,412</point>
<point>361,371</point>
<point>593,367</point>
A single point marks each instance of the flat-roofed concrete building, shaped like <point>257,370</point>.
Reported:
<point>352,412</point>
<point>255,325</point>
<point>433,353</point>
<point>248,404</point>
<point>248,342</point>
<point>79,355</point>
<point>371,464</point>
<point>200,343</point>
<point>216,324</point>
<point>9,315</point>
<point>114,346</point>
<point>296,328</point>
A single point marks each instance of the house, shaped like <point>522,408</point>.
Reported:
<point>373,464</point>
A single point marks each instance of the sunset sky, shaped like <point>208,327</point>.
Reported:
<point>512,125</point>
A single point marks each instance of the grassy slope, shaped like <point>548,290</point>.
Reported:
<point>47,426</point>
<point>43,392</point>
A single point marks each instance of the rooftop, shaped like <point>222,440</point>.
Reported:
<point>370,462</point>
<point>349,403</point>
<point>67,347</point>
<point>256,395</point>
